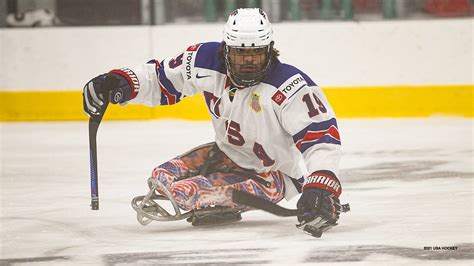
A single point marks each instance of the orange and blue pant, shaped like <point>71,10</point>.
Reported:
<point>194,189</point>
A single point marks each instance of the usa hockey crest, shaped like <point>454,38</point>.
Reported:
<point>255,103</point>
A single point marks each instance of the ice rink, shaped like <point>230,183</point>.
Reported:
<point>409,183</point>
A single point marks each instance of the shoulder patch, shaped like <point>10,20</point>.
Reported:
<point>189,58</point>
<point>289,88</point>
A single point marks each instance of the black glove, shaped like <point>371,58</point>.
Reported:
<point>114,87</point>
<point>319,203</point>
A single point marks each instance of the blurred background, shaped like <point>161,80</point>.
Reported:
<point>398,74</point>
<point>32,13</point>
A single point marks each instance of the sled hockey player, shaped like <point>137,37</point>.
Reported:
<point>276,134</point>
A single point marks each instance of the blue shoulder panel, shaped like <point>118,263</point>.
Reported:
<point>208,57</point>
<point>279,73</point>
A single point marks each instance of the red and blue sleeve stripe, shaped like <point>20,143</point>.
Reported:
<point>169,94</point>
<point>315,133</point>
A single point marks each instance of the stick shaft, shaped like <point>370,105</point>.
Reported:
<point>261,204</point>
<point>245,198</point>
<point>93,126</point>
<point>94,123</point>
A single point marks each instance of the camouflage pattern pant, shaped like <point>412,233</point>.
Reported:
<point>191,189</point>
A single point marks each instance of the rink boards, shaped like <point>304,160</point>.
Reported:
<point>413,68</point>
<point>348,102</point>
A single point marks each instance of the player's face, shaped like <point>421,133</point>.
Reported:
<point>247,60</point>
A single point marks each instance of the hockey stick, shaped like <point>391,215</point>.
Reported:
<point>261,204</point>
<point>94,122</point>
<point>265,205</point>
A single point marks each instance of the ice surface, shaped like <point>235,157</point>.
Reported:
<point>409,183</point>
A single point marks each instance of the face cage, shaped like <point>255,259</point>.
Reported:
<point>247,79</point>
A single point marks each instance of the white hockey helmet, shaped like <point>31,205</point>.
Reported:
<point>248,28</point>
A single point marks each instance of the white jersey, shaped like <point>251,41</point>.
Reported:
<point>284,123</point>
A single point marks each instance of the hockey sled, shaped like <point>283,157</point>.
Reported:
<point>151,208</point>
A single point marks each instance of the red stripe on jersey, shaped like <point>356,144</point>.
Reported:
<point>315,135</point>
<point>171,98</point>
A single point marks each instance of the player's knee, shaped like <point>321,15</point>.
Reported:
<point>274,190</point>
<point>168,168</point>
<point>184,195</point>
<point>158,171</point>
<point>163,175</point>
<point>195,192</point>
